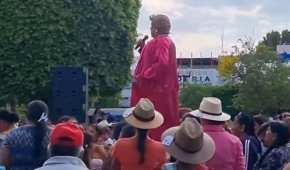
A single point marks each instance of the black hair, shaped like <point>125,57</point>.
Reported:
<point>141,143</point>
<point>9,117</point>
<point>88,142</point>
<point>99,115</point>
<point>118,128</point>
<point>248,121</point>
<point>281,130</point>
<point>127,131</point>
<point>14,117</point>
<point>62,150</point>
<point>260,119</point>
<point>65,118</point>
<point>36,109</point>
<point>263,128</point>
<point>91,119</point>
<point>212,122</point>
<point>184,166</point>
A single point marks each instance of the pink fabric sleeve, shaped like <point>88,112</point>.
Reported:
<point>240,160</point>
<point>162,55</point>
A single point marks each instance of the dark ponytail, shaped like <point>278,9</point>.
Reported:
<point>40,151</point>
<point>37,114</point>
<point>88,142</point>
<point>141,145</point>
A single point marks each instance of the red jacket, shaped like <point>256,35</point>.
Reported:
<point>156,79</point>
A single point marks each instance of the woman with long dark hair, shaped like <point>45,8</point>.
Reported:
<point>140,152</point>
<point>8,121</point>
<point>244,128</point>
<point>26,147</point>
<point>277,154</point>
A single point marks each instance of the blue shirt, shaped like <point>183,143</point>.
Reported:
<point>20,143</point>
<point>63,163</point>
<point>276,159</point>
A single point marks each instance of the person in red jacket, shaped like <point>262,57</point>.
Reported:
<point>155,76</point>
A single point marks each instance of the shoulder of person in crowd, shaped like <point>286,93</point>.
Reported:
<point>169,166</point>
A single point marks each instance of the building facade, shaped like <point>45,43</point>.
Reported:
<point>198,71</point>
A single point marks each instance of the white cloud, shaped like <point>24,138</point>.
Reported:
<point>264,22</point>
<point>171,7</point>
<point>233,11</point>
<point>198,26</point>
<point>230,13</point>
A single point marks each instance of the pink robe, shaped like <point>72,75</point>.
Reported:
<point>156,76</point>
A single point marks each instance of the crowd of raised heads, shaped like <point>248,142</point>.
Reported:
<point>205,139</point>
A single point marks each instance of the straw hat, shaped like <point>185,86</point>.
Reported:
<point>188,143</point>
<point>143,116</point>
<point>211,109</point>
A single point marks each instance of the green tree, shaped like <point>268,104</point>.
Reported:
<point>285,37</point>
<point>192,95</point>
<point>272,39</point>
<point>37,35</point>
<point>227,94</point>
<point>264,84</point>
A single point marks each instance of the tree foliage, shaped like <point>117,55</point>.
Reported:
<point>274,38</point>
<point>285,37</point>
<point>227,65</point>
<point>264,83</point>
<point>192,95</point>
<point>37,35</point>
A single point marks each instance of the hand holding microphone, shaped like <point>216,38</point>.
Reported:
<point>141,43</point>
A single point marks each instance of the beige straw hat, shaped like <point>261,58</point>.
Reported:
<point>188,143</point>
<point>143,116</point>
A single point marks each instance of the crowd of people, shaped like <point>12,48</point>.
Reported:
<point>155,134</point>
<point>205,139</point>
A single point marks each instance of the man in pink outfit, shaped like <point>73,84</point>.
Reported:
<point>229,149</point>
<point>156,75</point>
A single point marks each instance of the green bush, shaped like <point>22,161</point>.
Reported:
<point>37,35</point>
<point>192,95</point>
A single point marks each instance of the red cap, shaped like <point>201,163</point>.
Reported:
<point>68,134</point>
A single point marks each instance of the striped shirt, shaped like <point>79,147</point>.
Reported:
<point>252,151</point>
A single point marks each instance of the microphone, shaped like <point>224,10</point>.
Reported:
<point>141,43</point>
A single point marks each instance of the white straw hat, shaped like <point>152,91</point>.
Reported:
<point>211,109</point>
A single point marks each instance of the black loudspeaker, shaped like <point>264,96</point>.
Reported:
<point>69,93</point>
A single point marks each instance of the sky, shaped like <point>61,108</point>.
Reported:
<point>199,25</point>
